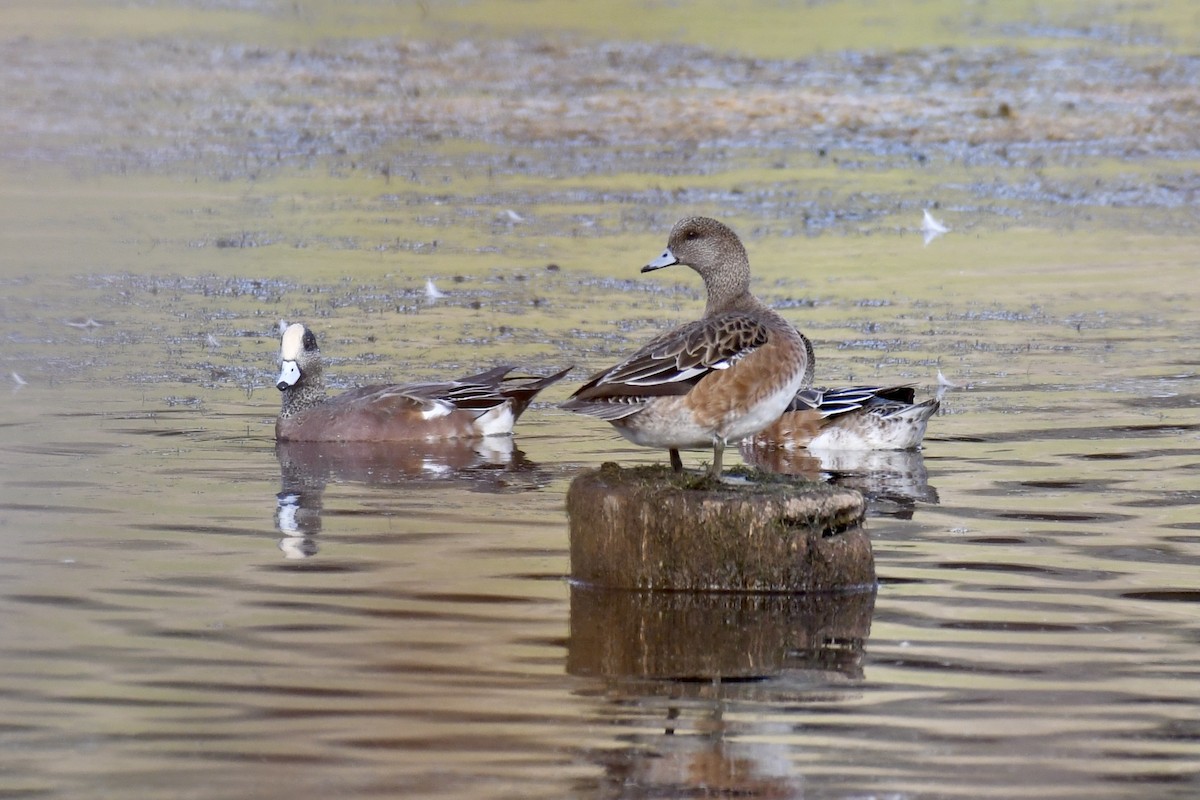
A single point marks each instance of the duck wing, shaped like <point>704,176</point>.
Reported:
<point>834,402</point>
<point>670,365</point>
<point>475,394</point>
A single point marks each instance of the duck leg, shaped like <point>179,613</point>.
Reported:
<point>718,451</point>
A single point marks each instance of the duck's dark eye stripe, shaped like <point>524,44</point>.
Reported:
<point>310,341</point>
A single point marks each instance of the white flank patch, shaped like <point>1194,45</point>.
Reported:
<point>497,421</point>
<point>436,410</point>
<point>901,431</point>
<point>835,438</point>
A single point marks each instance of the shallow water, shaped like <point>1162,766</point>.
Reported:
<point>189,611</point>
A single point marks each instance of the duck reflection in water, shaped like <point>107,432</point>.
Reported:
<point>489,464</point>
<point>893,482</point>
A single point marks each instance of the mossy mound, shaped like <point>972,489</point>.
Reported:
<point>651,528</point>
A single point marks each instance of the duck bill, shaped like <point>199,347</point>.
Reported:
<point>287,376</point>
<point>667,259</point>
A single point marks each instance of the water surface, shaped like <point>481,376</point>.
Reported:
<point>190,611</point>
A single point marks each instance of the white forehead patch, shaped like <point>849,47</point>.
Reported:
<point>293,342</point>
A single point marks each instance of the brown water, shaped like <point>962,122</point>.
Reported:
<point>188,612</point>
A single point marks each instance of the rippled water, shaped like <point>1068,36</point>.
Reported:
<point>188,610</point>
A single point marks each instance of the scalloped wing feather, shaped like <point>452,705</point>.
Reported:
<point>674,362</point>
<point>834,402</point>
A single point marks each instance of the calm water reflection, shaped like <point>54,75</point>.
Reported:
<point>893,482</point>
<point>1034,633</point>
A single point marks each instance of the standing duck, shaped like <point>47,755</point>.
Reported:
<point>713,381</point>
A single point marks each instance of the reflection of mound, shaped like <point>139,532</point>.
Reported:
<point>704,635</point>
<point>892,481</point>
<point>667,666</point>
<point>489,464</point>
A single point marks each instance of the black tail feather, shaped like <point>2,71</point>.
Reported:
<point>523,394</point>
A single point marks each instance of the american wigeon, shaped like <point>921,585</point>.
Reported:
<point>853,418</point>
<point>479,405</point>
<point>709,382</point>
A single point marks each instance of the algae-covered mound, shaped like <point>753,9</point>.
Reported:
<point>651,528</point>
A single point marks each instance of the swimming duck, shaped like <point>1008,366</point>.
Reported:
<point>478,405</point>
<point>851,418</point>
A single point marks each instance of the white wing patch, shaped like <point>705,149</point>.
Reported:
<point>436,409</point>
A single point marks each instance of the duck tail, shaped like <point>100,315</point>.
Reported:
<point>522,395</point>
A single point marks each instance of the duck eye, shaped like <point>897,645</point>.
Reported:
<point>692,235</point>
<point>310,341</point>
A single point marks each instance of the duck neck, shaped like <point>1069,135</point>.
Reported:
<point>744,302</point>
<point>308,392</point>
<point>728,288</point>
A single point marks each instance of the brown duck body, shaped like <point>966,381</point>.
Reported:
<point>479,405</point>
<point>712,381</point>
<point>722,403</point>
